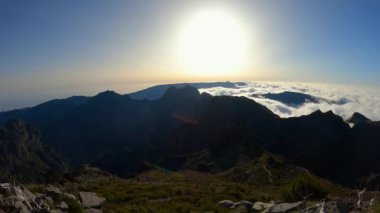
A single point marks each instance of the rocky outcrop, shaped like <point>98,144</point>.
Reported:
<point>90,200</point>
<point>285,207</point>
<point>337,205</point>
<point>18,199</point>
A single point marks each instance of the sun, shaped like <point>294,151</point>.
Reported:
<point>213,42</point>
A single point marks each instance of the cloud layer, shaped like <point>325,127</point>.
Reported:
<point>342,100</point>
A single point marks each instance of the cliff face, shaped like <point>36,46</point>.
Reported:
<point>22,155</point>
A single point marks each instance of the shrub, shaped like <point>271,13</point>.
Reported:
<point>376,207</point>
<point>302,187</point>
<point>74,206</point>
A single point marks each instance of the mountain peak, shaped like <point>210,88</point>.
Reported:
<point>183,92</point>
<point>108,96</point>
<point>358,118</point>
<point>107,93</point>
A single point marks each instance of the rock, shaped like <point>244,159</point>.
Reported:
<point>244,203</point>
<point>91,200</point>
<point>314,209</point>
<point>22,206</point>
<point>337,206</point>
<point>260,206</point>
<point>5,189</point>
<point>53,191</point>
<point>284,207</point>
<point>226,203</point>
<point>63,206</point>
<point>49,200</point>
<point>70,196</point>
<point>28,195</point>
<point>19,199</point>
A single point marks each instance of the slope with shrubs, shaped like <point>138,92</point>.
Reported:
<point>22,155</point>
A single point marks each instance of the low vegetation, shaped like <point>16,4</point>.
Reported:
<point>304,187</point>
<point>74,206</point>
<point>184,191</point>
<point>177,192</point>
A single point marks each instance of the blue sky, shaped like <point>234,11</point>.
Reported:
<point>51,49</point>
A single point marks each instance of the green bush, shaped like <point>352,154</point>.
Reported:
<point>74,206</point>
<point>302,187</point>
<point>376,207</point>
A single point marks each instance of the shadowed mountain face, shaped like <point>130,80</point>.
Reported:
<point>184,129</point>
<point>22,155</point>
<point>357,118</point>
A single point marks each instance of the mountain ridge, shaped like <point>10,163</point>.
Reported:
<point>119,134</point>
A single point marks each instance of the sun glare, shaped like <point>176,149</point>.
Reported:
<point>213,42</point>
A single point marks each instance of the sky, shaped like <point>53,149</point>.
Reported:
<point>58,48</point>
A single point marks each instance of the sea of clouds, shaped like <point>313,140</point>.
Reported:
<point>341,99</point>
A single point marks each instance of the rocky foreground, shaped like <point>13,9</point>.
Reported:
<point>335,206</point>
<point>18,199</point>
<point>93,190</point>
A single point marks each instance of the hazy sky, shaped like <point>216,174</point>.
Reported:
<point>58,48</point>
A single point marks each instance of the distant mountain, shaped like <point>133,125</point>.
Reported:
<point>22,155</point>
<point>46,112</point>
<point>290,98</point>
<point>357,118</point>
<point>156,92</point>
<point>296,99</point>
<point>186,129</point>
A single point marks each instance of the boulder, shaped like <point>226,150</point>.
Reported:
<point>63,206</point>
<point>5,189</point>
<point>284,207</point>
<point>226,203</point>
<point>53,191</point>
<point>69,196</point>
<point>91,200</point>
<point>22,206</point>
<point>19,199</point>
<point>260,206</point>
<point>49,200</point>
<point>28,195</point>
<point>337,206</point>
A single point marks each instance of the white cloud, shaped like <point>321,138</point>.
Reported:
<point>342,100</point>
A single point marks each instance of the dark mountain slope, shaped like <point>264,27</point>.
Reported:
<point>366,158</point>
<point>22,155</point>
<point>320,141</point>
<point>357,118</point>
<point>184,128</point>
